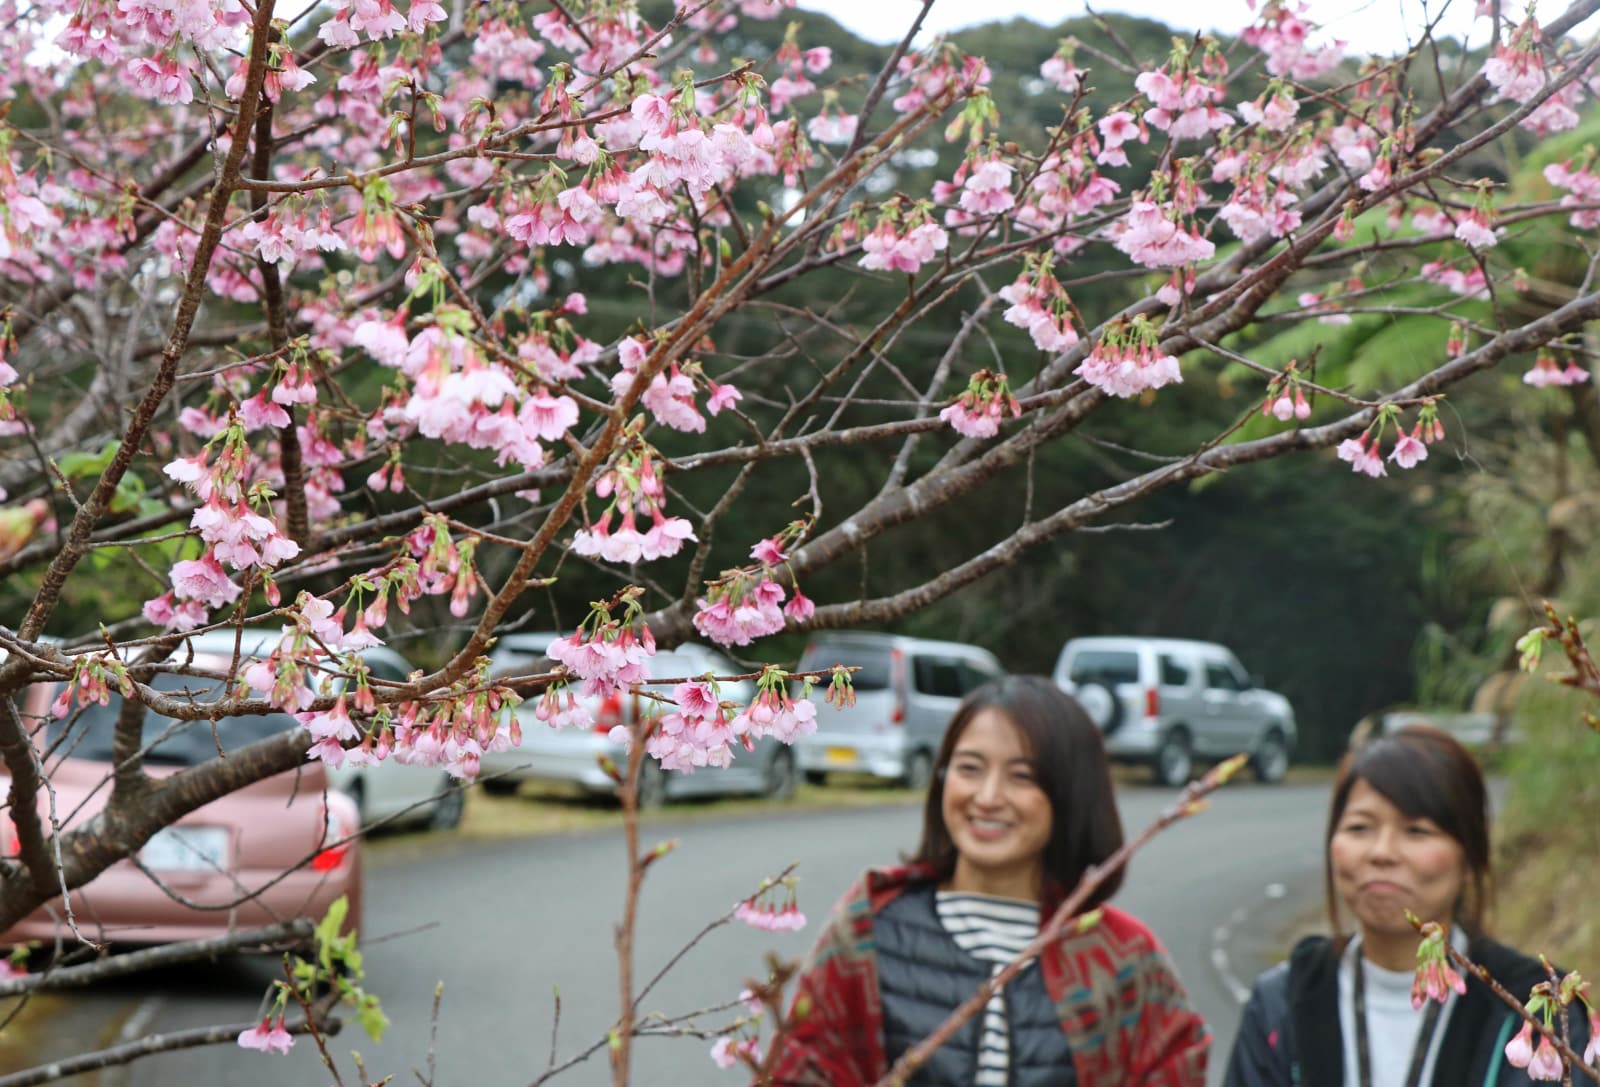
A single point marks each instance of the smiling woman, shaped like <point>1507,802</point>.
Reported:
<point>1020,807</point>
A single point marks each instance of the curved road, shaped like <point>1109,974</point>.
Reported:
<point>505,923</point>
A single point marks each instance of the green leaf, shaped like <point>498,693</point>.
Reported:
<point>129,495</point>
<point>372,1017</point>
<point>333,920</point>
<point>77,465</point>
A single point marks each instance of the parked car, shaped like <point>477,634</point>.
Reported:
<point>275,850</point>
<point>906,690</point>
<point>573,756</point>
<point>1168,702</point>
<point>390,792</point>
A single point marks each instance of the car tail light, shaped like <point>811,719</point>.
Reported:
<point>338,833</point>
<point>609,715</point>
<point>897,679</point>
<point>1152,702</point>
<point>10,841</point>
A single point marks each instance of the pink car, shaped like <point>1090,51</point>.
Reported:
<point>219,869</point>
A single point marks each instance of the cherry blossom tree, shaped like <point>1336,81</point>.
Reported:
<point>343,319</point>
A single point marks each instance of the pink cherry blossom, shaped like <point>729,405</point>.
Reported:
<point>1546,1062</point>
<point>1408,450</point>
<point>267,1038</point>
<point>1519,1051</point>
<point>203,580</point>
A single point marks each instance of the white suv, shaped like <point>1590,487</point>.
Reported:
<point>1167,703</point>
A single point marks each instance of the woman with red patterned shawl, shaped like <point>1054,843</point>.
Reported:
<point>1020,807</point>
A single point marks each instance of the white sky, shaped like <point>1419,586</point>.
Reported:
<point>1370,26</point>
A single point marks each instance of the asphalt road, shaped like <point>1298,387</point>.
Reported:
<point>504,924</point>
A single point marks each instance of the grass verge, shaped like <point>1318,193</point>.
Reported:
<point>554,809</point>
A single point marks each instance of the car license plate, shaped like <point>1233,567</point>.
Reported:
<point>841,754</point>
<point>187,849</point>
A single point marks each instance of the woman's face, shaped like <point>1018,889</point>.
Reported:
<point>997,815</point>
<point>1385,862</point>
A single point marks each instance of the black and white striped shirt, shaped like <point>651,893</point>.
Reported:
<point>992,930</point>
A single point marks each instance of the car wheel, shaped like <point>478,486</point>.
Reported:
<point>919,771</point>
<point>652,788</point>
<point>816,777</point>
<point>780,776</point>
<point>1174,762</point>
<point>1100,702</point>
<point>1271,759</point>
<point>500,786</point>
<point>448,808</point>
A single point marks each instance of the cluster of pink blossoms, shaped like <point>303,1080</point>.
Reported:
<point>459,396</point>
<point>787,919</point>
<point>1129,359</point>
<point>977,412</point>
<point>1260,208</point>
<point>232,531</point>
<point>1184,101</point>
<point>1547,371</point>
<point>799,65</point>
<point>1161,234</point>
<point>1583,188</point>
<point>699,733</point>
<point>703,729</point>
<point>727,1052</point>
<point>1284,37</point>
<point>286,235</point>
<point>1288,403</point>
<point>902,243</point>
<point>1060,72</point>
<point>931,74</point>
<point>1548,1001</point>
<point>634,485</point>
<point>747,603</point>
<point>1040,304</point>
<point>670,396</point>
<point>772,908</point>
<point>607,654</point>
<point>269,1037</point>
<point>1364,453</point>
<point>1517,71</point>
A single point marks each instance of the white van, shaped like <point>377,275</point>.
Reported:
<point>1168,703</point>
<point>906,691</point>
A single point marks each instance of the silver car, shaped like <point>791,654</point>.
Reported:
<point>575,756</point>
<point>1168,702</point>
<point>906,691</point>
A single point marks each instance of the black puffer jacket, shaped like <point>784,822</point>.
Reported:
<point>922,975</point>
<point>1290,1034</point>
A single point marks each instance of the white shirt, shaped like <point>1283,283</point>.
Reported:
<point>1392,1023</point>
<point>992,930</point>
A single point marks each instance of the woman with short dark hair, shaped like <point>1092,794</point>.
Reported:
<point>1408,831</point>
<point>1021,806</point>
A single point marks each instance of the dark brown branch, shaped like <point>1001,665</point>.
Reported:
<point>128,1052</point>
<point>289,934</point>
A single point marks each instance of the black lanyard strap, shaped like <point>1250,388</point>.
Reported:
<point>1419,1054</point>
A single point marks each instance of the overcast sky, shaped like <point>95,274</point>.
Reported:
<point>1370,26</point>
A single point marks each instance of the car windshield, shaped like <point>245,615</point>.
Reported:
<point>88,735</point>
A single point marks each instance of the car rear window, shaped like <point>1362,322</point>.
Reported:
<point>88,735</point>
<point>873,664</point>
<point>1105,666</point>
